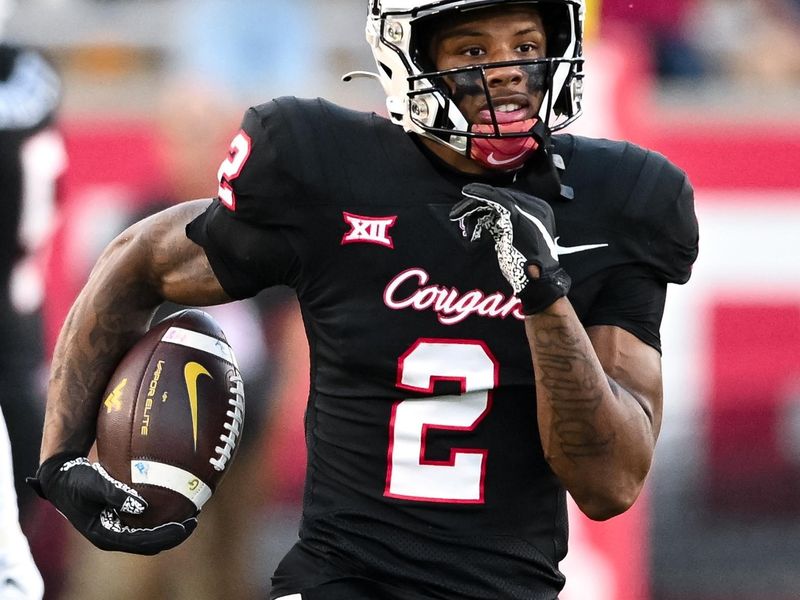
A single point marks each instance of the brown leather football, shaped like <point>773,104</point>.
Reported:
<point>172,417</point>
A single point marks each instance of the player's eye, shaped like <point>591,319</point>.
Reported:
<point>527,48</point>
<point>473,51</point>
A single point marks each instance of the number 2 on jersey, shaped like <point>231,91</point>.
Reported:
<point>460,479</point>
<point>231,168</point>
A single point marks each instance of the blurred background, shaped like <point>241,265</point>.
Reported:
<point>153,91</point>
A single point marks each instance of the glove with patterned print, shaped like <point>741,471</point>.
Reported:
<point>523,228</point>
<point>92,500</point>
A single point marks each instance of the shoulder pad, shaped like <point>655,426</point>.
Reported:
<point>643,192</point>
<point>287,152</point>
<point>257,178</point>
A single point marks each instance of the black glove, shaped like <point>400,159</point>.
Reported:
<point>91,500</point>
<point>523,228</point>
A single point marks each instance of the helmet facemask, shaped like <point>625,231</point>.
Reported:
<point>426,101</point>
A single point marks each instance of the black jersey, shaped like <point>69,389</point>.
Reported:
<point>29,95</point>
<point>425,468</point>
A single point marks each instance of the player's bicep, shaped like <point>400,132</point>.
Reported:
<point>624,324</point>
<point>177,268</point>
<point>633,365</point>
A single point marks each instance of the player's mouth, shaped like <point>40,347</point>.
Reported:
<point>506,110</point>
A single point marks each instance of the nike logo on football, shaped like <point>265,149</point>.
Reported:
<point>563,250</point>
<point>191,372</point>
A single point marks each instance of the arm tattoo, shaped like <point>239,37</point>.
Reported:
<point>82,373</point>
<point>572,392</point>
<point>143,266</point>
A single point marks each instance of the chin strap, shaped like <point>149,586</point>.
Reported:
<point>509,153</point>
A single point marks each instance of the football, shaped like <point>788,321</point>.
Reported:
<point>172,416</point>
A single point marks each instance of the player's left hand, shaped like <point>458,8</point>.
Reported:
<point>92,501</point>
<point>523,228</point>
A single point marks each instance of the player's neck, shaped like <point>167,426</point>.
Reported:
<point>457,161</point>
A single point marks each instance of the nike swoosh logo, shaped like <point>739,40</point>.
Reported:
<point>562,250</point>
<point>191,372</point>
<point>499,163</point>
<point>551,243</point>
<point>555,248</point>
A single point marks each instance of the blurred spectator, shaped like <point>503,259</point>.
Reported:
<point>195,122</point>
<point>750,40</point>
<point>19,577</point>
<point>663,25</point>
<point>32,157</point>
<point>283,453</point>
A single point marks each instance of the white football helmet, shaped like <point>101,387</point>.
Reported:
<point>418,100</point>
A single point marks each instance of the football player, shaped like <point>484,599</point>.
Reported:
<point>482,301</point>
<point>32,157</point>
<point>19,577</point>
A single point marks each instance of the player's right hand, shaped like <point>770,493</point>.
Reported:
<point>523,228</point>
<point>92,500</point>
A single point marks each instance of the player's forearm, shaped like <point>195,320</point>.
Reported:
<point>597,439</point>
<point>151,262</point>
<point>111,312</point>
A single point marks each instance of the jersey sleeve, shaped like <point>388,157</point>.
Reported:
<point>675,243</point>
<point>260,180</point>
<point>632,298</point>
<point>245,258</point>
<point>246,231</point>
<point>661,249</point>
